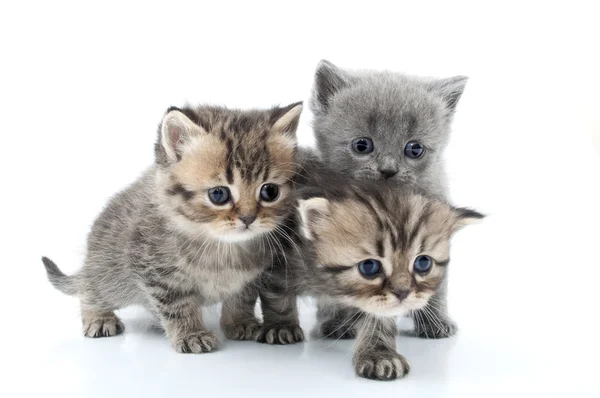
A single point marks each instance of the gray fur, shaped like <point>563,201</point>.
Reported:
<point>391,109</point>
<point>152,245</point>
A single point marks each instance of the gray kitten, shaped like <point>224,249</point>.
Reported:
<point>391,128</point>
<point>193,230</point>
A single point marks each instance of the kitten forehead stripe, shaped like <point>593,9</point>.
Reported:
<point>426,212</point>
<point>380,248</point>
<point>371,208</point>
<point>229,154</point>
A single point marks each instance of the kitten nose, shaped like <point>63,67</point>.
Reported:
<point>401,294</point>
<point>388,173</point>
<point>247,220</point>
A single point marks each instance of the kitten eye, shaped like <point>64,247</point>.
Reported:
<point>219,195</point>
<point>414,150</point>
<point>422,264</point>
<point>362,146</point>
<point>269,192</point>
<point>369,268</point>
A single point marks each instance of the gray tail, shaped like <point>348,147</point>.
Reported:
<point>62,282</point>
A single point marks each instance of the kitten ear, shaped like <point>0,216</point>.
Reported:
<point>310,211</point>
<point>465,216</point>
<point>329,79</point>
<point>176,129</point>
<point>285,120</point>
<point>451,90</point>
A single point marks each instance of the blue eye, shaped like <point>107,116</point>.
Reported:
<point>422,264</point>
<point>369,268</point>
<point>362,146</point>
<point>414,150</point>
<point>219,195</point>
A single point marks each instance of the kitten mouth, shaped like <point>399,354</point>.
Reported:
<point>395,310</point>
<point>240,234</point>
<point>369,176</point>
<point>244,231</point>
<point>391,311</point>
<point>397,179</point>
<point>247,229</point>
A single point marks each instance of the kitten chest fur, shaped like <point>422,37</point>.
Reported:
<point>225,271</point>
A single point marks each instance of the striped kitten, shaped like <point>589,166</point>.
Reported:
<point>380,251</point>
<point>189,232</point>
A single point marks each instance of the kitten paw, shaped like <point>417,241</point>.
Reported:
<point>438,329</point>
<point>386,365</point>
<point>337,329</point>
<point>196,343</point>
<point>242,331</point>
<point>281,334</point>
<point>102,326</point>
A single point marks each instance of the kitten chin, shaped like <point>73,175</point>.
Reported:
<point>389,310</point>
<point>241,234</point>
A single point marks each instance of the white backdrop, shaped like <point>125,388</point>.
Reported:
<point>83,86</point>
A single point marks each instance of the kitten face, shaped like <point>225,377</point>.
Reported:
<point>382,125</point>
<point>385,256</point>
<point>227,173</point>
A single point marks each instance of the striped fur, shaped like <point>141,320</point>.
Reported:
<point>163,244</point>
<point>344,222</point>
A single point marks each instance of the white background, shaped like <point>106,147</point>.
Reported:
<point>83,86</point>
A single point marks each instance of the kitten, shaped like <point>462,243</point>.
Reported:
<point>376,249</point>
<point>191,230</point>
<point>391,128</point>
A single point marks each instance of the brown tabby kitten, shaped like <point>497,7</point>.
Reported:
<point>382,251</point>
<point>190,231</point>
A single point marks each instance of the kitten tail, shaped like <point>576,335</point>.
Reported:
<point>59,280</point>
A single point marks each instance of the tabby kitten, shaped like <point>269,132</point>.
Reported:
<point>391,128</point>
<point>189,232</point>
<point>381,252</point>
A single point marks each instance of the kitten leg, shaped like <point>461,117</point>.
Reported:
<point>98,323</point>
<point>336,322</point>
<point>375,356</point>
<point>433,322</point>
<point>280,318</point>
<point>238,319</point>
<point>180,314</point>
<point>97,313</point>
